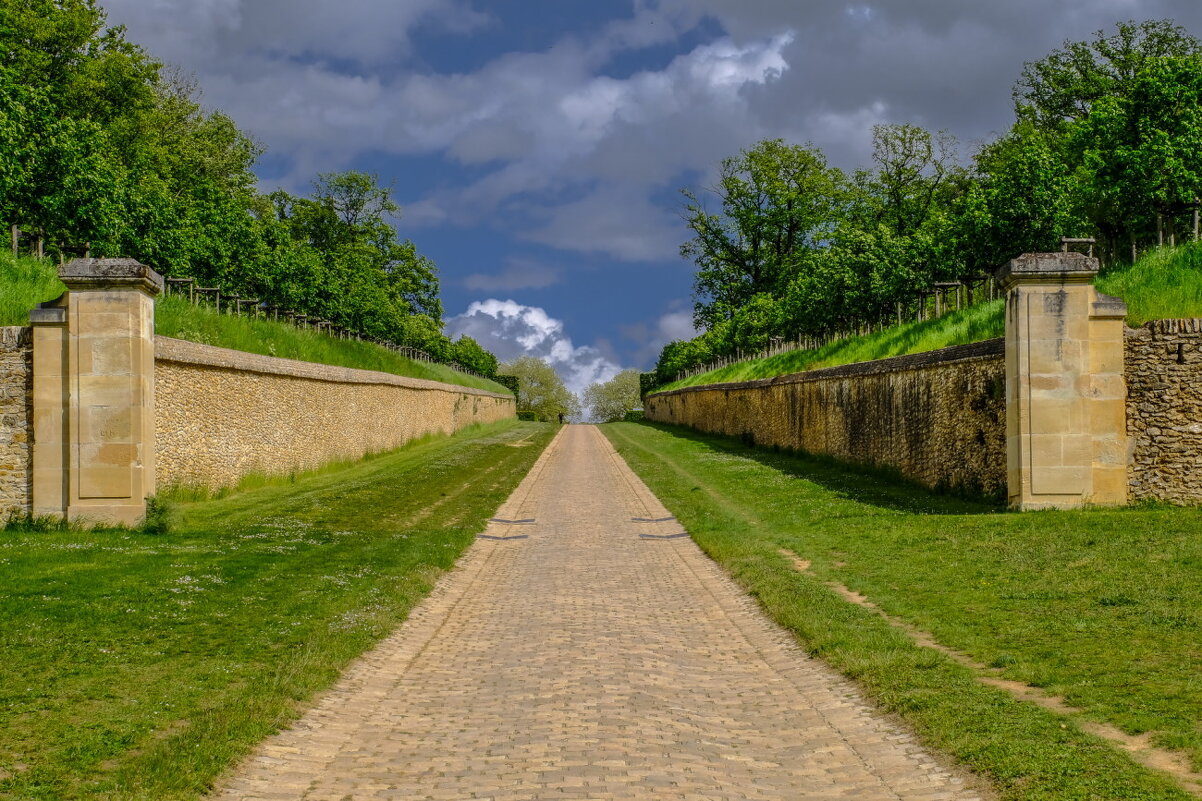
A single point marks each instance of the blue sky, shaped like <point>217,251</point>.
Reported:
<point>538,147</point>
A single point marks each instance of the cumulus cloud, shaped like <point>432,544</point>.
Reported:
<point>327,82</point>
<point>510,329</point>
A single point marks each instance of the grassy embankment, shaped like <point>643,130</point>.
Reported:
<point>140,666</point>
<point>1165,283</point>
<point>24,283</point>
<point>1101,607</point>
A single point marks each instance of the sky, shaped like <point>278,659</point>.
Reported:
<point>538,147</point>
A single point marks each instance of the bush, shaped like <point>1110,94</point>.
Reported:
<point>527,415</point>
<point>159,516</point>
<point>510,382</point>
<point>634,416</point>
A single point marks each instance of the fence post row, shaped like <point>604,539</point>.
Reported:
<point>235,302</point>
<point>967,294</point>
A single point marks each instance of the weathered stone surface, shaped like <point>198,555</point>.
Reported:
<point>221,414</point>
<point>90,274</point>
<point>16,420</point>
<point>1164,411</point>
<point>937,418</point>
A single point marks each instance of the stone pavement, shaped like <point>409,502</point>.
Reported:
<point>589,655</point>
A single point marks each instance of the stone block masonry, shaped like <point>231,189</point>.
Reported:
<point>16,420</point>
<point>221,414</point>
<point>937,418</point>
<point>1164,411</point>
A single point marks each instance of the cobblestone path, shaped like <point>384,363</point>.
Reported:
<point>589,653</point>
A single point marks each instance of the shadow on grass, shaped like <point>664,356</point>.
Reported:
<point>871,486</point>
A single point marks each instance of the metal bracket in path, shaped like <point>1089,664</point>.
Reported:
<point>663,536</point>
<point>526,521</point>
<point>652,519</point>
<point>514,537</point>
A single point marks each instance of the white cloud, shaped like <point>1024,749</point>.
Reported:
<point>559,140</point>
<point>510,329</point>
<point>568,156</point>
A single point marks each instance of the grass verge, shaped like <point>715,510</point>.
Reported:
<point>1165,283</point>
<point>1101,607</point>
<point>139,666</point>
<point>24,283</point>
<point>956,328</point>
<point>176,317</point>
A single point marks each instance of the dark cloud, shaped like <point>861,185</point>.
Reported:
<point>559,146</point>
<point>517,274</point>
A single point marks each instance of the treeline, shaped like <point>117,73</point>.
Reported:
<point>1106,143</point>
<point>103,148</point>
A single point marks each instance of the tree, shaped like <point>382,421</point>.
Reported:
<point>1027,197</point>
<point>778,201</point>
<point>468,352</point>
<point>1063,86</point>
<point>610,401</point>
<point>1142,151</point>
<point>913,166</point>
<point>542,391</point>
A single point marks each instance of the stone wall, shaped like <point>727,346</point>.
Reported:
<point>1164,411</point>
<point>16,420</point>
<point>220,414</point>
<point>938,418</point>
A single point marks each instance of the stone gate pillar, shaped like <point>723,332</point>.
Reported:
<point>93,388</point>
<point>1066,432</point>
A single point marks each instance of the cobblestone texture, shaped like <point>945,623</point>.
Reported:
<point>585,661</point>
<point>221,414</point>
<point>1164,411</point>
<point>16,420</point>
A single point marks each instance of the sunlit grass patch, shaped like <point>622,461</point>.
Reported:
<point>140,666</point>
<point>1100,607</point>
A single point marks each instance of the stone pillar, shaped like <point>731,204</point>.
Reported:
<point>1066,432</point>
<point>94,393</point>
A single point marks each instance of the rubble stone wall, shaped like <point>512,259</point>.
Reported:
<point>221,414</point>
<point>937,418</point>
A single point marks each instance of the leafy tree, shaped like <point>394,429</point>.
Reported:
<point>610,401</point>
<point>913,166</point>
<point>1142,151</point>
<point>468,352</point>
<point>541,389</point>
<point>1064,86</point>
<point>778,201</point>
<point>1027,198</point>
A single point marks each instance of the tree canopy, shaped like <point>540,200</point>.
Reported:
<point>540,389</point>
<point>105,149</point>
<point>1106,142</point>
<point>609,401</point>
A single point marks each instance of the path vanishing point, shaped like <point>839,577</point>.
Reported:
<point>587,649</point>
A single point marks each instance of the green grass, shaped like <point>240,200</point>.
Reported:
<point>140,666</point>
<point>24,283</point>
<point>1164,284</point>
<point>176,317</point>
<point>957,328</point>
<point>1102,607</point>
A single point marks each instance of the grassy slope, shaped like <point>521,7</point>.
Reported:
<point>140,666</point>
<point>26,282</point>
<point>1103,607</point>
<point>1165,283</point>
